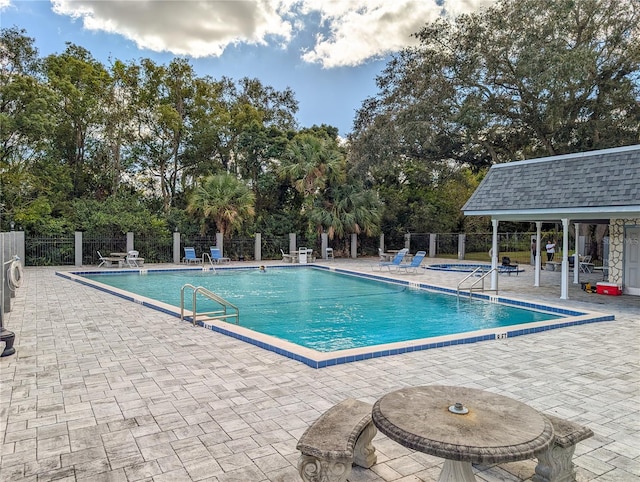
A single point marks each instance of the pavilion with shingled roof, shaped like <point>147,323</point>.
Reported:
<point>595,187</point>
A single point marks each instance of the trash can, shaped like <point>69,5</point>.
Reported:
<point>302,255</point>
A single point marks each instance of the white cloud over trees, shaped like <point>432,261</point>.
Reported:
<point>349,32</point>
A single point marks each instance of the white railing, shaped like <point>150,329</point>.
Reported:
<point>480,281</point>
<point>220,314</point>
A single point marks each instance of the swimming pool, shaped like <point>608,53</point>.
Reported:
<point>332,316</point>
<point>469,268</point>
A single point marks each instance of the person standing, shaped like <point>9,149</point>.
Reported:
<point>534,248</point>
<point>551,249</point>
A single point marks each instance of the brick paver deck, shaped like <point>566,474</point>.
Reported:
<point>101,389</point>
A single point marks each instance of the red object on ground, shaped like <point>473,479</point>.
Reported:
<point>608,289</point>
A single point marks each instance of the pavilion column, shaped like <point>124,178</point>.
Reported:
<point>537,259</point>
<point>576,258</point>
<point>564,288</point>
<point>494,256</point>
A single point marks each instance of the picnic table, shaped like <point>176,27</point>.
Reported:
<point>463,426</point>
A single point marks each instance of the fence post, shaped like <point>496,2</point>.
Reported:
<point>354,245</point>
<point>5,258</point>
<point>78,248</point>
<point>324,245</point>
<point>407,241</point>
<point>292,243</point>
<point>176,247</point>
<point>7,337</point>
<point>382,242</point>
<point>220,243</point>
<point>461,246</point>
<point>130,242</point>
<point>432,245</point>
<point>258,247</point>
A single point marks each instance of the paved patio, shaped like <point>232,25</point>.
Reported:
<point>102,389</point>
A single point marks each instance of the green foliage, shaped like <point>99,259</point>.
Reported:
<point>36,218</point>
<point>124,148</point>
<point>223,199</point>
<point>116,215</point>
<point>521,79</point>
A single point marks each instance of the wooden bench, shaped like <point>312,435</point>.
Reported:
<point>555,464</point>
<point>339,438</point>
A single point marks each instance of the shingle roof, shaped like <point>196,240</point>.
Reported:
<point>596,179</point>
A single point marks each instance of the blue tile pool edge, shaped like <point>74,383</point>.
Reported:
<point>322,360</point>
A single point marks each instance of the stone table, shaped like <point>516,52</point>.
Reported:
<point>463,426</point>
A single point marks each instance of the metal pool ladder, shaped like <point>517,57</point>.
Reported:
<point>221,314</point>
<point>479,280</point>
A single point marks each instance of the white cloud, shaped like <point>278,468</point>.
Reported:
<point>365,29</point>
<point>196,28</point>
<point>4,4</point>
<point>354,30</point>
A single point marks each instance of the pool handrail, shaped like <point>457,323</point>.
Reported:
<point>219,314</point>
<point>481,279</point>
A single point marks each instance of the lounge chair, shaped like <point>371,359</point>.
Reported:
<point>415,263</point>
<point>586,266</point>
<point>286,258</point>
<point>507,267</point>
<point>397,259</point>
<point>134,260</point>
<point>190,256</point>
<point>103,260</point>
<point>216,256</point>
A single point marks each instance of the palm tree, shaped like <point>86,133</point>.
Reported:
<point>313,163</point>
<point>223,199</point>
<point>351,209</point>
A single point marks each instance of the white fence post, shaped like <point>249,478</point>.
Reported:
<point>461,245</point>
<point>176,248</point>
<point>258,247</point>
<point>292,243</point>
<point>78,248</point>
<point>324,245</point>
<point>354,245</point>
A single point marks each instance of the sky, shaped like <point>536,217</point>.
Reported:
<point>328,52</point>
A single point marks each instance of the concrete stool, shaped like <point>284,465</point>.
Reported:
<point>339,438</point>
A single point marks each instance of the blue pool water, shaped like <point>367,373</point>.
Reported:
<point>468,268</point>
<point>325,310</point>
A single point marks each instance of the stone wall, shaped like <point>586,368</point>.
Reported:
<point>616,248</point>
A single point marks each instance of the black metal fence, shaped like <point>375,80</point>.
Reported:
<point>49,250</point>
<point>60,250</point>
<point>92,245</point>
<point>273,247</point>
<point>155,249</point>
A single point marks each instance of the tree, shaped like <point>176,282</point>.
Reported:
<point>26,119</point>
<point>24,106</point>
<point>119,133</point>
<point>311,162</point>
<point>522,79</point>
<point>80,84</point>
<point>164,114</point>
<point>223,199</point>
<point>525,78</point>
<point>349,209</point>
